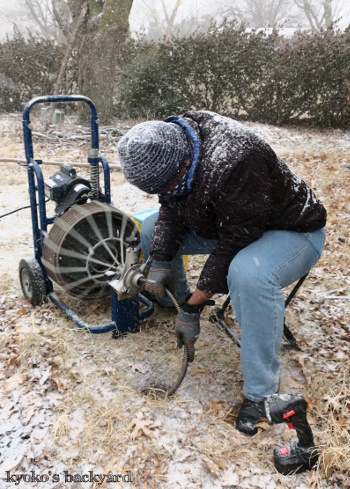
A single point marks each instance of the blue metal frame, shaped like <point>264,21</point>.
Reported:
<point>125,314</point>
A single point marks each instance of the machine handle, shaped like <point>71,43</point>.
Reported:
<point>27,134</point>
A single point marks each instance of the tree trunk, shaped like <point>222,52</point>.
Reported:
<point>67,55</point>
<point>106,31</point>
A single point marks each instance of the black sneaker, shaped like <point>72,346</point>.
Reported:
<point>249,415</point>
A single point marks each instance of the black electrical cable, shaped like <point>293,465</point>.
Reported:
<point>20,209</point>
<point>12,212</point>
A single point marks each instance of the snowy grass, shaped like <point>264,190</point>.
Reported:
<point>85,389</point>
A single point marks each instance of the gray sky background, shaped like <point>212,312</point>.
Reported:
<point>201,7</point>
<point>11,11</point>
<point>187,9</point>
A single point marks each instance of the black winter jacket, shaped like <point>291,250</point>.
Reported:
<point>239,190</point>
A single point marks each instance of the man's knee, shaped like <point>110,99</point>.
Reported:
<point>247,272</point>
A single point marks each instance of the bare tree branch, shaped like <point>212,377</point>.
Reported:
<point>259,13</point>
<point>70,47</point>
<point>60,18</point>
<point>322,16</point>
<point>37,15</point>
<point>42,16</point>
<point>170,20</point>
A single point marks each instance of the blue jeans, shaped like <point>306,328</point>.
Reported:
<point>256,277</point>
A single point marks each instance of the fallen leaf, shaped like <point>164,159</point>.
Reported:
<point>230,478</point>
<point>212,466</point>
<point>28,416</point>
<point>135,368</point>
<point>198,370</point>
<point>58,381</point>
<point>9,410</point>
<point>46,375</point>
<point>312,403</point>
<point>22,310</point>
<point>142,426</point>
<point>13,382</point>
<point>344,290</point>
<point>214,406</point>
<point>58,361</point>
<point>303,341</point>
<point>302,358</point>
<point>11,362</point>
<point>329,464</point>
<point>332,403</point>
<point>38,435</point>
<point>10,465</point>
<point>108,469</point>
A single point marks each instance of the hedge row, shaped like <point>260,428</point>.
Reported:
<point>249,75</point>
<point>28,68</point>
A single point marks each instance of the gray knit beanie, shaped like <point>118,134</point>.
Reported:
<point>152,155</point>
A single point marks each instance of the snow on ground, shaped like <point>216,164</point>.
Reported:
<point>71,406</point>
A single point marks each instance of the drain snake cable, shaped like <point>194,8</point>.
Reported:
<point>161,392</point>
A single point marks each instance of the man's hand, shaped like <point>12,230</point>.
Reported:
<point>187,329</point>
<point>187,326</point>
<point>161,274</point>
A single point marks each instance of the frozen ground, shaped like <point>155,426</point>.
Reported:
<point>70,402</point>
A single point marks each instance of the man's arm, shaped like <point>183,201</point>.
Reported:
<point>199,297</point>
<point>242,205</point>
<point>169,229</point>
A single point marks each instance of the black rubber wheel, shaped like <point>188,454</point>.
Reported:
<point>32,280</point>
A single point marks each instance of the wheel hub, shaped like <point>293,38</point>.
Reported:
<point>26,283</point>
<point>103,258</point>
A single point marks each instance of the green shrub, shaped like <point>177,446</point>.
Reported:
<point>248,75</point>
<point>28,68</point>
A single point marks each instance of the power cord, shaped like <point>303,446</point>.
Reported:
<point>20,209</point>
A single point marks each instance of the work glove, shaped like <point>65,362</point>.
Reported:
<point>187,326</point>
<point>161,273</point>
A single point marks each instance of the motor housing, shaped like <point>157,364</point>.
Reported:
<point>65,188</point>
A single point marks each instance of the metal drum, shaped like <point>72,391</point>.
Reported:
<point>85,248</point>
